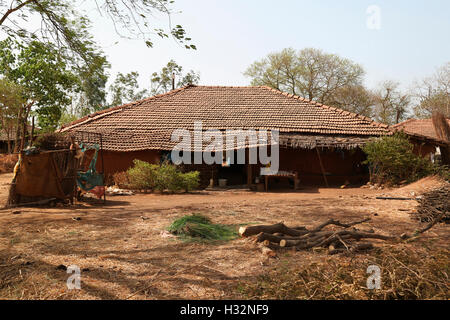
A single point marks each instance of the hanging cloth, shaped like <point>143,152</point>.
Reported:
<point>88,180</point>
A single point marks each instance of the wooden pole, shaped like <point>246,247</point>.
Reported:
<point>32,132</point>
<point>249,175</point>
<point>321,167</point>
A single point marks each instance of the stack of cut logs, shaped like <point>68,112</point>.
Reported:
<point>277,236</point>
<point>434,205</point>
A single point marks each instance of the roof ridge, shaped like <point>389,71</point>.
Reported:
<point>338,110</point>
<point>404,122</point>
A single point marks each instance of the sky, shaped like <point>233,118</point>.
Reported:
<point>398,40</point>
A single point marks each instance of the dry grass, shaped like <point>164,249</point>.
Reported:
<point>124,255</point>
<point>406,273</point>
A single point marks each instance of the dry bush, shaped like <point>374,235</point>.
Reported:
<point>7,162</point>
<point>53,141</point>
<point>121,180</point>
<point>405,274</point>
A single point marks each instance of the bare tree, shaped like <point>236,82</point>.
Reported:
<point>355,99</point>
<point>391,105</point>
<point>310,73</point>
<point>433,93</point>
<point>11,106</point>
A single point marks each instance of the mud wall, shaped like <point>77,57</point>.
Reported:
<point>339,165</point>
<point>121,161</point>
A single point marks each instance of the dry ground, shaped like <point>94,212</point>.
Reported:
<point>125,256</point>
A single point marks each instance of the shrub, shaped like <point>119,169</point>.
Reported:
<point>163,177</point>
<point>168,177</point>
<point>391,160</point>
<point>191,180</point>
<point>443,171</point>
<point>143,175</point>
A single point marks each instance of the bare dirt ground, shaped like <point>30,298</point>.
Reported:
<point>123,255</point>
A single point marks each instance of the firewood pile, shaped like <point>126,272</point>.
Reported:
<point>434,205</point>
<point>271,238</point>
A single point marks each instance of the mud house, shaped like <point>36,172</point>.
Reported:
<point>423,133</point>
<point>321,144</point>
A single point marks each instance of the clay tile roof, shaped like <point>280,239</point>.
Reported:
<point>422,127</point>
<point>148,123</point>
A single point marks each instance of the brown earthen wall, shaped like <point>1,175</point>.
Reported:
<point>120,161</point>
<point>339,165</point>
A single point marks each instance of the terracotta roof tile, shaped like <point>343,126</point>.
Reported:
<point>422,127</point>
<point>148,123</point>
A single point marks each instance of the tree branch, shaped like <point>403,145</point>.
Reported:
<point>9,11</point>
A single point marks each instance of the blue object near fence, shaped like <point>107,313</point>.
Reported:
<point>88,180</point>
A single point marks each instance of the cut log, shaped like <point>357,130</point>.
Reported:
<point>262,236</point>
<point>274,228</point>
<point>291,243</point>
<point>394,198</point>
<point>338,223</point>
<point>364,246</point>
<point>273,237</point>
<point>267,250</point>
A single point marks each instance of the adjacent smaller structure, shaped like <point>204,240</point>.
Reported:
<point>423,134</point>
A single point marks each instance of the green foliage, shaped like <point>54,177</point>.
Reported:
<point>125,89</point>
<point>443,171</point>
<point>146,176</point>
<point>142,175</point>
<point>66,118</point>
<point>391,160</point>
<point>199,227</point>
<point>162,82</point>
<point>65,26</point>
<point>92,82</point>
<point>168,177</point>
<point>178,225</point>
<point>190,180</point>
<point>63,22</point>
<point>44,75</point>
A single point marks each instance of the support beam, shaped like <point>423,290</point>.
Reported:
<point>321,167</point>
<point>249,175</point>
